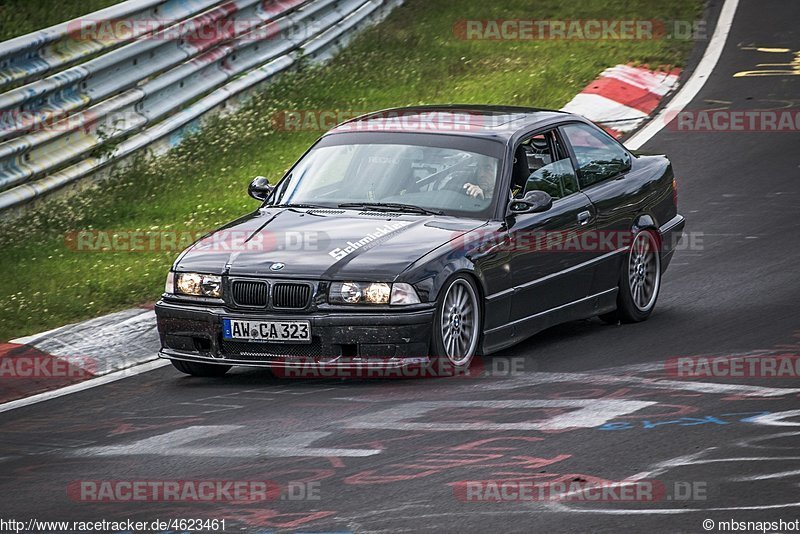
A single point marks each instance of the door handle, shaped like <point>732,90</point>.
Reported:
<point>583,218</point>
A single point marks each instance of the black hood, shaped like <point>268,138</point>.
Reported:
<point>322,244</point>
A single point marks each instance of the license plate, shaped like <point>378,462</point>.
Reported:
<point>280,331</point>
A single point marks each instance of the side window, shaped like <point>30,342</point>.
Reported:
<point>599,158</point>
<point>551,168</point>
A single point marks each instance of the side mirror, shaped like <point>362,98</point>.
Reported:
<point>259,188</point>
<point>533,202</point>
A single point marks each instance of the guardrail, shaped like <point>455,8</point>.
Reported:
<point>110,83</point>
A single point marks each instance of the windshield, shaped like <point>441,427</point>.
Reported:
<point>446,180</point>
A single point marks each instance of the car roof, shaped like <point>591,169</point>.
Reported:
<point>499,122</point>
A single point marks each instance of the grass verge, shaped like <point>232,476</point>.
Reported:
<point>18,17</point>
<point>414,57</point>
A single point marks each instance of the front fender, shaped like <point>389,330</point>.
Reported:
<point>472,253</point>
<point>429,288</point>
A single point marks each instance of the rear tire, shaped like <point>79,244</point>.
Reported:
<point>639,281</point>
<point>456,327</point>
<point>200,369</point>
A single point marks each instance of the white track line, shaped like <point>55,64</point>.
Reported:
<point>81,386</point>
<point>696,81</point>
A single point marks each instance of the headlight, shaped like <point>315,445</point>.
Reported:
<point>377,293</point>
<point>371,293</point>
<point>201,285</point>
<point>348,292</point>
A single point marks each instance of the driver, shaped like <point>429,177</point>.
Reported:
<point>484,182</point>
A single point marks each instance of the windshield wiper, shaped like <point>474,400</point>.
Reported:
<point>297,205</point>
<point>391,206</point>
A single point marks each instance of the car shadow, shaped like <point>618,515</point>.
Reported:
<point>530,355</point>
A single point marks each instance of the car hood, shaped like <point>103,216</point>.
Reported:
<point>321,244</point>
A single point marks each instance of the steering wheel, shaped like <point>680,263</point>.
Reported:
<point>458,180</point>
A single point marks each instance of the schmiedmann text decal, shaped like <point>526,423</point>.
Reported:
<point>381,231</point>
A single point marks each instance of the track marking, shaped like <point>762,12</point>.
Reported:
<point>589,413</point>
<point>777,418</point>
<point>667,511</point>
<point>533,379</point>
<point>665,465</point>
<point>176,443</point>
<point>770,476</point>
<point>752,442</point>
<point>687,460</point>
<point>696,81</point>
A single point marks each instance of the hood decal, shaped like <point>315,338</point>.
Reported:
<point>367,241</point>
<point>351,249</point>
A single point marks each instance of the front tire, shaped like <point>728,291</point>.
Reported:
<point>456,327</point>
<point>640,281</point>
<point>200,369</point>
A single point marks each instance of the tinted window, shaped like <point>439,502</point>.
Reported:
<point>550,166</point>
<point>599,157</point>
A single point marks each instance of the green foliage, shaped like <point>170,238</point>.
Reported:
<point>18,17</point>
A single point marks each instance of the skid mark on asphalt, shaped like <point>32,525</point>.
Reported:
<point>723,463</point>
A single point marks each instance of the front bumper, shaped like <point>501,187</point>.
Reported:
<point>394,339</point>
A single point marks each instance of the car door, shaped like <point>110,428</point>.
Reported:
<point>546,265</point>
<point>603,165</point>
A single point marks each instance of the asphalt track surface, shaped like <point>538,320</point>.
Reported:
<point>395,455</point>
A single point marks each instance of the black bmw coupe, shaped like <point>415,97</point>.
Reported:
<point>426,235</point>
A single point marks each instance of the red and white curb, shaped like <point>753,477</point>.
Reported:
<point>623,97</point>
<point>78,352</point>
